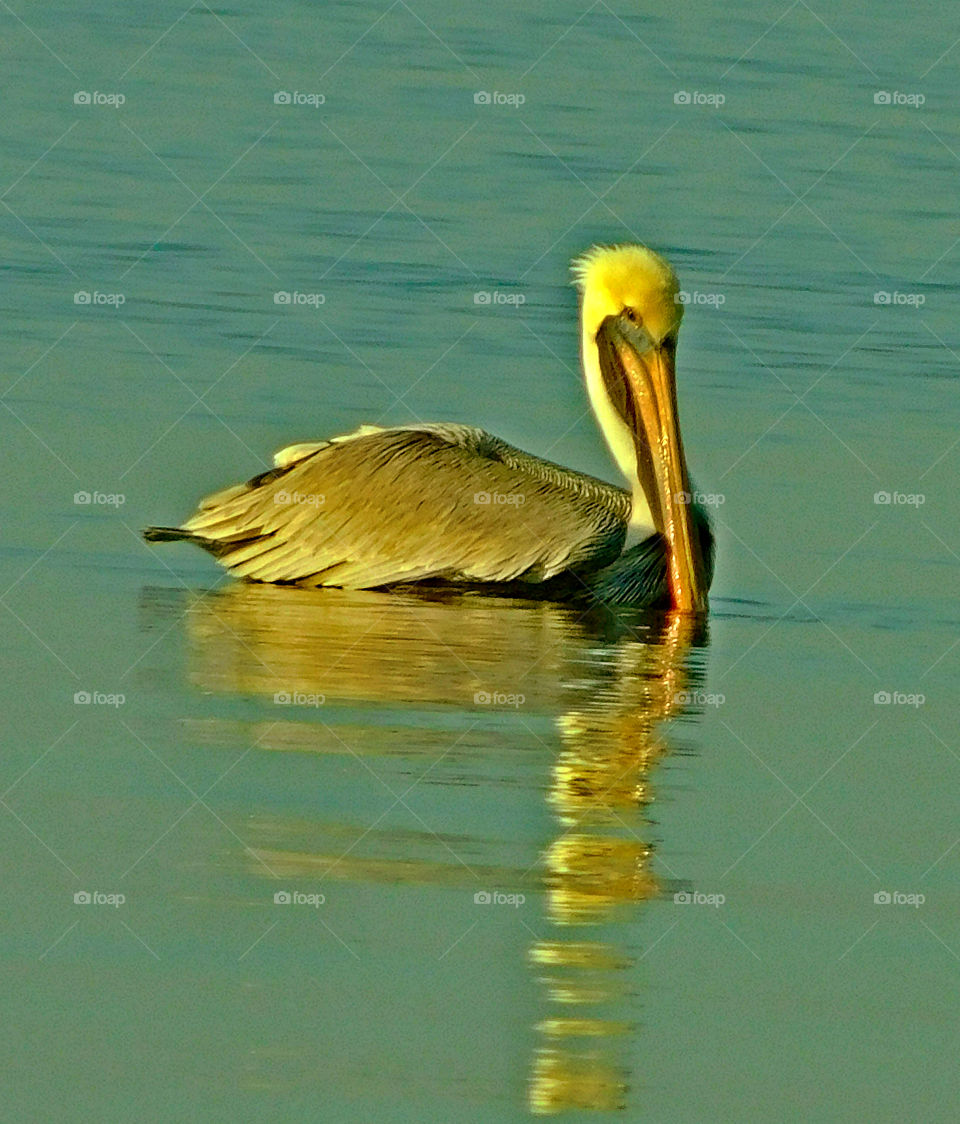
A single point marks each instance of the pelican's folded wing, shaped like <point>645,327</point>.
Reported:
<point>381,506</point>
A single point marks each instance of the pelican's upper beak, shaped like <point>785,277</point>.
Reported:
<point>639,376</point>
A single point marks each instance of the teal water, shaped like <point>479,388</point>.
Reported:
<point>750,764</point>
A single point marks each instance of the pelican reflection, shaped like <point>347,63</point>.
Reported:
<point>423,686</point>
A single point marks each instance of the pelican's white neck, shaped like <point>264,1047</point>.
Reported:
<point>619,440</point>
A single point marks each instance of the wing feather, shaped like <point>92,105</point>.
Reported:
<point>382,506</point>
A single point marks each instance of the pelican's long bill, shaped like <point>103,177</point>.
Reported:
<point>630,318</point>
<point>640,377</point>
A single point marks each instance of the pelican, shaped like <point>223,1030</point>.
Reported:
<point>448,503</point>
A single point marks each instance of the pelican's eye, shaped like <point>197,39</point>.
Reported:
<point>633,316</point>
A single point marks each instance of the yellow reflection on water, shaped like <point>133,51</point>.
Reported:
<point>332,661</point>
<point>563,1080</point>
<point>602,775</point>
<point>378,647</point>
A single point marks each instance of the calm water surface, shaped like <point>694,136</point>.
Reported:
<point>529,861</point>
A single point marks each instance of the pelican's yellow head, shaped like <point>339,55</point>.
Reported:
<point>614,278</point>
<point>630,316</point>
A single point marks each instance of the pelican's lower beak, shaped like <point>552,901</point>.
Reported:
<point>648,391</point>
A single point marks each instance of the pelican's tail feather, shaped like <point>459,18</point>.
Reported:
<point>178,534</point>
<point>167,534</point>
